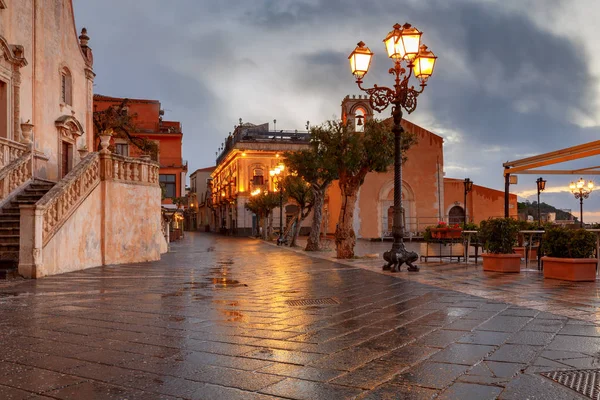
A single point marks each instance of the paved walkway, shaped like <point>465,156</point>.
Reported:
<point>240,319</point>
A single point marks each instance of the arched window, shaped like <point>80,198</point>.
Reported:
<point>359,120</point>
<point>456,215</point>
<point>66,87</point>
<point>258,176</point>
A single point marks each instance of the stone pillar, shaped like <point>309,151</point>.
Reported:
<point>31,241</point>
<point>16,103</point>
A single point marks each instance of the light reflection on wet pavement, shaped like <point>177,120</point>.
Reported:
<point>213,319</point>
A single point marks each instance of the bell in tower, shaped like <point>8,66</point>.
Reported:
<point>356,111</point>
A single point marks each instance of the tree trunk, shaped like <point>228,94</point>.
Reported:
<point>314,239</point>
<point>345,239</point>
<point>265,227</point>
<point>270,225</point>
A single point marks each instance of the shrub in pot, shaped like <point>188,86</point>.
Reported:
<point>499,236</point>
<point>568,254</point>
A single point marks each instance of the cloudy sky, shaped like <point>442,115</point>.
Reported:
<point>514,77</point>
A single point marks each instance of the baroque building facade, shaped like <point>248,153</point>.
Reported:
<point>58,202</point>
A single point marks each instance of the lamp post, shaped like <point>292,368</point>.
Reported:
<point>468,187</point>
<point>541,185</point>
<point>404,47</point>
<point>275,174</point>
<point>581,190</point>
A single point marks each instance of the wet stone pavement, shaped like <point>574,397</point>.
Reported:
<point>225,318</point>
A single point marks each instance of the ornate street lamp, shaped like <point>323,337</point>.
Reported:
<point>581,190</point>
<point>468,183</point>
<point>275,173</point>
<point>541,185</point>
<point>403,45</point>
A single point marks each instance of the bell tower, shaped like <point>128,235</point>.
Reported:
<point>356,111</point>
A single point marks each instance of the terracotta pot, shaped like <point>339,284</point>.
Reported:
<point>570,269</point>
<point>501,262</point>
<point>522,250</point>
<point>446,233</point>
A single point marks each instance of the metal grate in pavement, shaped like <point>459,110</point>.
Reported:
<point>583,381</point>
<point>312,302</point>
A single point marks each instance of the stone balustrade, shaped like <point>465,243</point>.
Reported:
<point>10,151</point>
<point>15,174</point>
<point>64,198</point>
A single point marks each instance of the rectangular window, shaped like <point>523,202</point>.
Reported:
<point>4,110</point>
<point>122,149</point>
<point>258,180</point>
<point>66,89</point>
<point>169,183</point>
<point>66,158</point>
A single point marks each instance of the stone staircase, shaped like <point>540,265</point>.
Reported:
<point>9,226</point>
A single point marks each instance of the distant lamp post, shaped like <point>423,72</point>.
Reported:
<point>581,190</point>
<point>541,186</point>
<point>275,174</point>
<point>468,183</point>
<point>403,45</point>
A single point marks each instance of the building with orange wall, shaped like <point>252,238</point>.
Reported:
<point>147,116</point>
<point>482,202</point>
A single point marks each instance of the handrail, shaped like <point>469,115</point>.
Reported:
<point>10,151</point>
<point>15,174</point>
<point>64,198</point>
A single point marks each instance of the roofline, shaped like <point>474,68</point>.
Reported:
<point>110,98</point>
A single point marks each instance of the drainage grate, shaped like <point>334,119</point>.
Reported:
<point>312,302</point>
<point>583,381</point>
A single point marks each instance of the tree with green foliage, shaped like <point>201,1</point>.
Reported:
<point>262,205</point>
<point>355,154</point>
<point>315,167</point>
<point>302,194</point>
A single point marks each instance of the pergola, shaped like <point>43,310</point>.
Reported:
<point>530,165</point>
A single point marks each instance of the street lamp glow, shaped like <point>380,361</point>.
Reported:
<point>424,64</point>
<point>360,60</point>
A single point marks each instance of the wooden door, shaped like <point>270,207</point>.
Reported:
<point>66,157</point>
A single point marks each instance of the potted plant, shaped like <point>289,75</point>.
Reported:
<point>499,235</point>
<point>443,231</point>
<point>569,254</point>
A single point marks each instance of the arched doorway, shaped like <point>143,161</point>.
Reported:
<point>386,206</point>
<point>456,215</point>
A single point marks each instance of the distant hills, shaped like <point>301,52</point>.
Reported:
<point>530,208</point>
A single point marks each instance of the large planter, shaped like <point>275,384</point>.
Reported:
<point>501,262</point>
<point>440,249</point>
<point>446,233</point>
<point>523,250</point>
<point>570,269</point>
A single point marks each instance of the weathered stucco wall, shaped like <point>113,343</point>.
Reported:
<point>47,32</point>
<point>77,244</point>
<point>133,223</point>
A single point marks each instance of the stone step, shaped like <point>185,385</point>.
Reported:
<point>9,248</point>
<point>40,187</point>
<point>11,210</point>
<point>9,230</point>
<point>31,192</point>
<point>9,273</point>
<point>18,202</point>
<point>9,239</point>
<point>27,196</point>
<point>9,220</point>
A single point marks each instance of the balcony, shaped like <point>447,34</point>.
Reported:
<point>250,135</point>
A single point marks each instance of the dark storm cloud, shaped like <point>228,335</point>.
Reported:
<point>503,87</point>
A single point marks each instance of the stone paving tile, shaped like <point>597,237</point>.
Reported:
<point>515,353</point>
<point>394,392</point>
<point>99,390</point>
<point>484,337</point>
<point>462,353</point>
<point>39,380</point>
<point>440,338</point>
<point>576,343</point>
<point>504,324</point>
<point>300,389</point>
<point>461,390</point>
<point>302,372</point>
<point>431,375</point>
<point>7,393</point>
<point>536,387</point>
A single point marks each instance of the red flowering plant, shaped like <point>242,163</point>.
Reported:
<point>442,224</point>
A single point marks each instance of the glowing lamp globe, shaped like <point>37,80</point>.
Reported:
<point>360,60</point>
<point>424,64</point>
